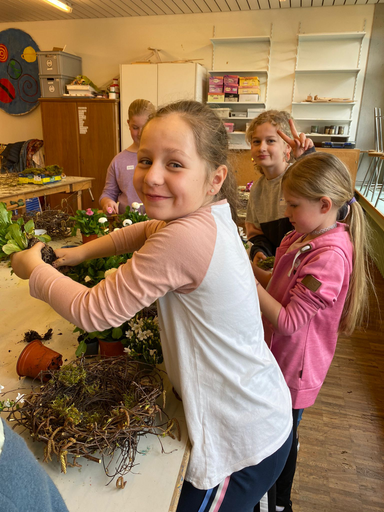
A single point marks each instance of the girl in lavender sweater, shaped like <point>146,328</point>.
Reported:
<point>119,192</point>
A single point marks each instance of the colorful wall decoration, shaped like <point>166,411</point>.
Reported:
<point>19,72</point>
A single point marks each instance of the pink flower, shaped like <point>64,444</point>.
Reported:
<point>89,211</point>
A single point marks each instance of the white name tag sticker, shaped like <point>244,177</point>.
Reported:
<point>130,167</point>
<point>282,202</point>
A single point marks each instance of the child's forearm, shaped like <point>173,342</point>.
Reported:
<point>262,276</point>
<point>269,306</point>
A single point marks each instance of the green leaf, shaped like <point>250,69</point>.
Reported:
<point>17,236</point>
<point>10,248</point>
<point>29,227</point>
<point>5,215</point>
<point>117,333</point>
<point>81,349</point>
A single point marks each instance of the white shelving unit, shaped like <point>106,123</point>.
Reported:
<point>337,60</point>
<point>243,56</point>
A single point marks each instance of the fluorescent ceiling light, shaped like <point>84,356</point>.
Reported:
<point>61,4</point>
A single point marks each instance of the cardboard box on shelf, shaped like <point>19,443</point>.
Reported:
<point>215,98</point>
<point>216,89</point>
<point>249,81</point>
<point>249,98</point>
<point>249,90</point>
<point>230,89</point>
<point>231,80</point>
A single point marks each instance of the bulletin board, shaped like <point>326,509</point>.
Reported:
<point>19,72</point>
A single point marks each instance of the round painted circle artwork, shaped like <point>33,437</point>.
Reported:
<point>19,72</point>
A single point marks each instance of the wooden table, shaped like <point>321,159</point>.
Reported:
<point>68,185</point>
<point>155,483</point>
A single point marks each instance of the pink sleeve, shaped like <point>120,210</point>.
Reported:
<point>173,258</point>
<point>304,303</point>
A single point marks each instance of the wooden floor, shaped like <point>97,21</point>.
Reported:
<point>341,457</point>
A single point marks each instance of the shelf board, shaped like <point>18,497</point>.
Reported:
<point>323,103</point>
<point>239,146</point>
<point>237,133</point>
<point>245,72</point>
<point>331,35</point>
<point>325,71</point>
<point>243,39</point>
<point>345,136</point>
<point>229,103</point>
<point>238,118</point>
<point>345,121</point>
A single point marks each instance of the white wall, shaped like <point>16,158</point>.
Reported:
<point>103,44</point>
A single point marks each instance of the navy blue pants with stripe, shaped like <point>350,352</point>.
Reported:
<point>239,492</point>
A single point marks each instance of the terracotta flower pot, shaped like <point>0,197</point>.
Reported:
<point>111,348</point>
<point>88,238</point>
<point>36,359</point>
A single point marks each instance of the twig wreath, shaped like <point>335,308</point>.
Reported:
<point>96,406</point>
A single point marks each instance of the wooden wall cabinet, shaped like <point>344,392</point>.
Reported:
<point>82,136</point>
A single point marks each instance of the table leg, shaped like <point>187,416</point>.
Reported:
<point>79,202</point>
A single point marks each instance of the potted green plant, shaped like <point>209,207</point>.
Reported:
<point>15,236</point>
<point>91,272</point>
<point>91,224</point>
<point>110,341</point>
<point>130,216</point>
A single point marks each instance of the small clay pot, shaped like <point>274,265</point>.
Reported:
<point>88,238</point>
<point>92,347</point>
<point>111,348</point>
<point>36,360</point>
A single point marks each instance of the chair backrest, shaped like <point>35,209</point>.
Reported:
<point>378,130</point>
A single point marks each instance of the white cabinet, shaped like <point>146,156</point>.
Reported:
<point>160,83</point>
<point>328,66</point>
<point>242,56</point>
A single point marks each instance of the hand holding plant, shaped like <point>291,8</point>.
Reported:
<point>16,236</point>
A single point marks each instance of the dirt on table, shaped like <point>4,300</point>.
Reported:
<point>34,335</point>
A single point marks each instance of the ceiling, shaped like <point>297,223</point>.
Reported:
<point>39,10</point>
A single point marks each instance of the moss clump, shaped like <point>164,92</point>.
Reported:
<point>72,375</point>
<point>61,407</point>
<point>267,264</point>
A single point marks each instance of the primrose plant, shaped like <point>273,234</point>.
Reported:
<point>90,222</point>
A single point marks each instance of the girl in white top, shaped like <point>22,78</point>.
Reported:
<point>237,405</point>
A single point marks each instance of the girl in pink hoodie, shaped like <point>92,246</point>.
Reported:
<point>319,284</point>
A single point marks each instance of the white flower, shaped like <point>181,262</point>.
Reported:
<point>129,334</point>
<point>136,206</point>
<point>109,272</point>
<point>1,387</point>
<point>87,278</point>
<point>19,398</point>
<point>7,403</point>
<point>141,336</point>
<point>127,222</point>
<point>151,352</point>
<point>103,220</point>
<point>127,350</point>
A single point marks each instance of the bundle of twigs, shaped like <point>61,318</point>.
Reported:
<point>96,406</point>
<point>55,222</point>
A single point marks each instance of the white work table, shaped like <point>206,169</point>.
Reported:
<point>154,484</point>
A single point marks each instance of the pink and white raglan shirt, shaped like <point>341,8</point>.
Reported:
<point>236,402</point>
